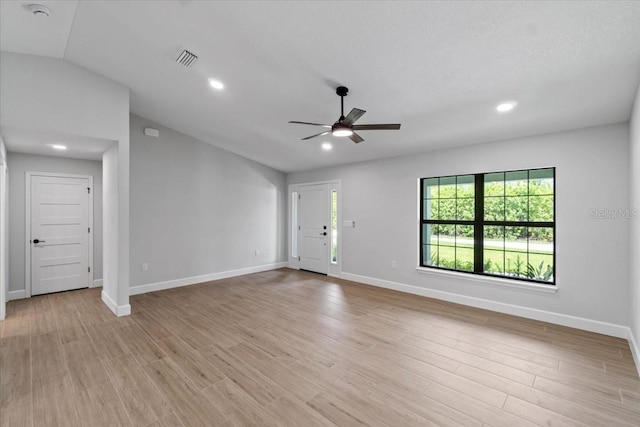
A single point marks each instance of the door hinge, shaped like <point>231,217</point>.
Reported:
<point>88,190</point>
<point>298,228</point>
<point>298,258</point>
<point>89,269</point>
<point>89,229</point>
<point>299,196</point>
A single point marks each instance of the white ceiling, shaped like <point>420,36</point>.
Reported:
<point>31,142</point>
<point>21,31</point>
<point>439,68</point>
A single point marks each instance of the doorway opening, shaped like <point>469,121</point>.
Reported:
<point>314,215</point>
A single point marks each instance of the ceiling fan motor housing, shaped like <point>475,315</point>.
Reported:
<point>342,91</point>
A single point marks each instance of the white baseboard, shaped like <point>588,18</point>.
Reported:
<point>11,295</point>
<point>97,283</point>
<point>516,310</point>
<point>118,310</point>
<point>635,350</point>
<point>159,286</point>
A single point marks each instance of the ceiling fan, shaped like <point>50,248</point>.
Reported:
<point>345,125</point>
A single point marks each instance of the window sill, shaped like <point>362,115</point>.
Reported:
<point>488,280</point>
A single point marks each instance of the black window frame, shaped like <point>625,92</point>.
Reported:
<point>479,223</point>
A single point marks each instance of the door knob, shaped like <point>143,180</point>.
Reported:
<point>323,234</point>
<point>36,241</point>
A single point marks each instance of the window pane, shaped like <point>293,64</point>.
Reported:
<point>465,186</point>
<point>447,209</point>
<point>447,187</point>
<point>447,256</point>
<point>430,209</point>
<point>464,258</point>
<point>541,182</point>
<point>515,239</point>
<point>493,261</point>
<point>334,227</point>
<point>540,239</point>
<point>516,183</point>
<point>541,208</point>
<point>464,235</point>
<point>429,234</point>
<point>446,234</point>
<point>515,264</point>
<point>494,208</point>
<point>464,247</point>
<point>430,255</point>
<point>516,208</point>
<point>465,209</point>
<point>494,184</point>
<point>540,267</point>
<point>430,188</point>
<point>494,237</point>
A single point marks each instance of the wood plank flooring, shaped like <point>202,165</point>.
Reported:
<point>297,349</point>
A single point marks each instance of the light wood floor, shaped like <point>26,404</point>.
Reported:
<point>298,349</point>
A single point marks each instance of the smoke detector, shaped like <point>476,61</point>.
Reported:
<point>39,10</point>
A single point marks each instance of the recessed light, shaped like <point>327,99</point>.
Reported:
<point>216,84</point>
<point>58,146</point>
<point>39,10</point>
<point>326,146</point>
<point>505,107</point>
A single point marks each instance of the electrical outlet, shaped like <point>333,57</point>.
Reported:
<point>394,264</point>
<point>145,266</point>
<point>257,253</point>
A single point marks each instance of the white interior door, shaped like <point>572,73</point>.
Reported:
<point>59,234</point>
<point>313,219</point>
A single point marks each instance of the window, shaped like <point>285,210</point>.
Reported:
<point>334,227</point>
<point>498,224</point>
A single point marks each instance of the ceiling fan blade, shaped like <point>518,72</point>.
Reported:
<point>353,115</point>
<point>313,136</point>
<point>385,126</point>
<point>312,124</point>
<point>356,138</point>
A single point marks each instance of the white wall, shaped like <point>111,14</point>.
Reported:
<point>110,222</point>
<point>635,227</point>
<point>4,229</point>
<point>52,95</point>
<point>198,211</point>
<point>592,264</point>
<point>21,163</point>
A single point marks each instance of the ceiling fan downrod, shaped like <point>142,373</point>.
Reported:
<point>342,91</point>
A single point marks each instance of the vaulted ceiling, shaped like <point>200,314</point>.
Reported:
<point>439,68</point>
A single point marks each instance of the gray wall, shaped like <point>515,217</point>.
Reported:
<point>635,225</point>
<point>197,209</point>
<point>592,262</point>
<point>18,165</point>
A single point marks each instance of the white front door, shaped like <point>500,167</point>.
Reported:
<point>59,238</point>
<point>313,219</point>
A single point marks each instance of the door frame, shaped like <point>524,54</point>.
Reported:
<point>333,270</point>
<point>27,222</point>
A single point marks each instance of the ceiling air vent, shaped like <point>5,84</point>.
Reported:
<point>186,58</point>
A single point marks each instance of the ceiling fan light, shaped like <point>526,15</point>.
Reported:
<point>342,132</point>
